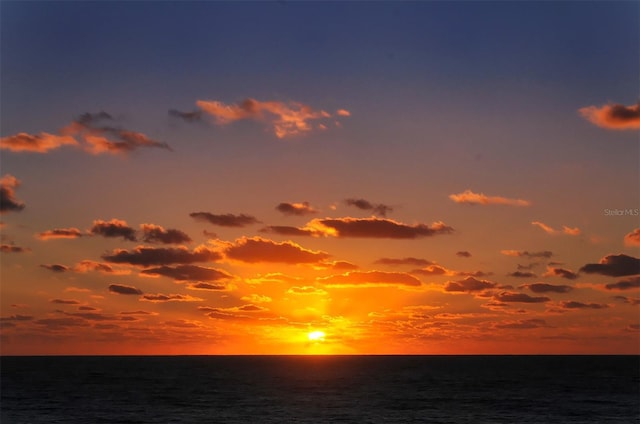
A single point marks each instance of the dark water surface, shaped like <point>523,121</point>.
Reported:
<point>320,389</point>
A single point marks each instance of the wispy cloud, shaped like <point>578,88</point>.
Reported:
<point>258,249</point>
<point>306,290</point>
<point>60,233</point>
<point>403,261</point>
<point>523,253</point>
<point>632,239</point>
<point>613,116</point>
<point>375,228</point>
<point>157,298</point>
<point>296,209</point>
<point>614,266</point>
<point>224,220</point>
<point>469,197</point>
<point>8,200</point>
<point>524,324</point>
<point>369,278</point>
<point>36,143</point>
<point>549,230</point>
<point>362,204</point>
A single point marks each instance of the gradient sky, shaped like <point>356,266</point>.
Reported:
<point>407,177</point>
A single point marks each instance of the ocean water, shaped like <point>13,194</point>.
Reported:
<point>320,389</point>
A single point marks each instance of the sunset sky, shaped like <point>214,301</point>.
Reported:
<point>319,177</point>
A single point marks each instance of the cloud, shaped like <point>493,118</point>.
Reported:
<point>614,266</point>
<point>518,253</point>
<point>629,300</point>
<point>95,137</point>
<point>306,290</point>
<point>194,116</point>
<point>256,298</point>
<point>169,298</point>
<point>365,205</point>
<point>579,305</point>
<point>613,116</point>
<point>288,231</point>
<point>343,112</point>
<point>340,265</point>
<point>463,254</point>
<point>403,261</point>
<point>376,228</point>
<point>472,198</point>
<point>258,249</point>
<point>525,324</point>
<point>560,272</point>
<point>156,234</point>
<point>522,274</point>
<point>547,288</point>
<point>88,265</point>
<point>11,248</point>
<point>285,120</point>
<point>147,256</point>
<point>519,297</point>
<point>113,228</point>
<point>296,209</point>
<point>226,220</point>
<point>60,233</point>
<point>16,318</point>
<point>626,284</point>
<point>8,201</point>
<point>55,268</point>
<point>208,286</point>
<point>469,284</point>
<point>565,230</point>
<point>633,238</point>
<point>369,278</point>
<point>122,289</point>
<point>65,301</point>
<point>189,273</point>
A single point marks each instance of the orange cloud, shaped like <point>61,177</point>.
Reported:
<point>549,230</point>
<point>633,238</point>
<point>60,233</point>
<point>519,253</point>
<point>375,228</point>
<point>369,278</point>
<point>41,143</point>
<point>613,116</point>
<point>258,249</point>
<point>169,298</point>
<point>469,284</point>
<point>306,290</point>
<point>285,120</point>
<point>297,209</point>
<point>343,112</point>
<point>8,201</point>
<point>472,198</point>
<point>88,265</point>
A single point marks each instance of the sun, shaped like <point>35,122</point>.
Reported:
<point>316,336</point>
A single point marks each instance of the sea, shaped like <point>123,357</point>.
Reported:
<point>320,389</point>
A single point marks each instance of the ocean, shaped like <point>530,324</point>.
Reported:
<point>320,389</point>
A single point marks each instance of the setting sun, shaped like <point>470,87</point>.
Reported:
<point>316,336</point>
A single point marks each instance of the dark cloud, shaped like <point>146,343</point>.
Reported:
<point>65,301</point>
<point>8,200</point>
<point>365,205</point>
<point>122,289</point>
<point>376,228</point>
<point>613,116</point>
<point>208,286</point>
<point>547,288</point>
<point>189,273</point>
<point>57,323</point>
<point>113,228</point>
<point>60,233</point>
<point>560,272</point>
<point>614,266</point>
<point>148,256</point>
<point>297,209</point>
<point>629,300</point>
<point>463,254</point>
<point>519,297</point>
<point>55,267</point>
<point>469,284</point>
<point>285,230</point>
<point>169,298</point>
<point>403,261</point>
<point>87,308</point>
<point>11,248</point>
<point>522,274</point>
<point>87,265</point>
<point>519,253</point>
<point>16,318</point>
<point>626,284</point>
<point>362,278</point>
<point>195,116</point>
<point>579,305</point>
<point>225,220</point>
<point>156,234</point>
<point>257,249</point>
<point>524,324</point>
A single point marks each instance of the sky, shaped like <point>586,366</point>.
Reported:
<point>319,178</point>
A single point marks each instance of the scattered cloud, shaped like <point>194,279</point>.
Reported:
<point>36,143</point>
<point>194,116</point>
<point>169,298</point>
<point>112,229</point>
<point>208,286</point>
<point>189,273</point>
<point>156,234</point>
<point>376,228</point>
<point>285,230</point>
<point>613,116</point>
<point>579,305</point>
<point>60,233</point>
<point>547,288</point>
<point>296,209</point>
<point>16,318</point>
<point>519,253</point>
<point>403,261</point>
<point>469,284</point>
<point>55,267</point>
<point>126,290</point>
<point>560,272</point>
<point>284,119</point>
<point>258,249</point>
<point>463,254</point>
<point>256,298</point>
<point>365,205</point>
<point>472,198</point>
<point>8,200</point>
<point>519,297</point>
<point>225,220</point>
<point>524,324</point>
<point>614,266</point>
<point>625,284</point>
<point>633,238</point>
<point>148,256</point>
<point>306,290</point>
<point>11,248</point>
<point>522,274</point>
<point>369,278</point>
<point>88,265</point>
<point>549,230</point>
<point>64,301</point>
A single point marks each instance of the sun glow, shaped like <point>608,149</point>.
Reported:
<point>316,336</point>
